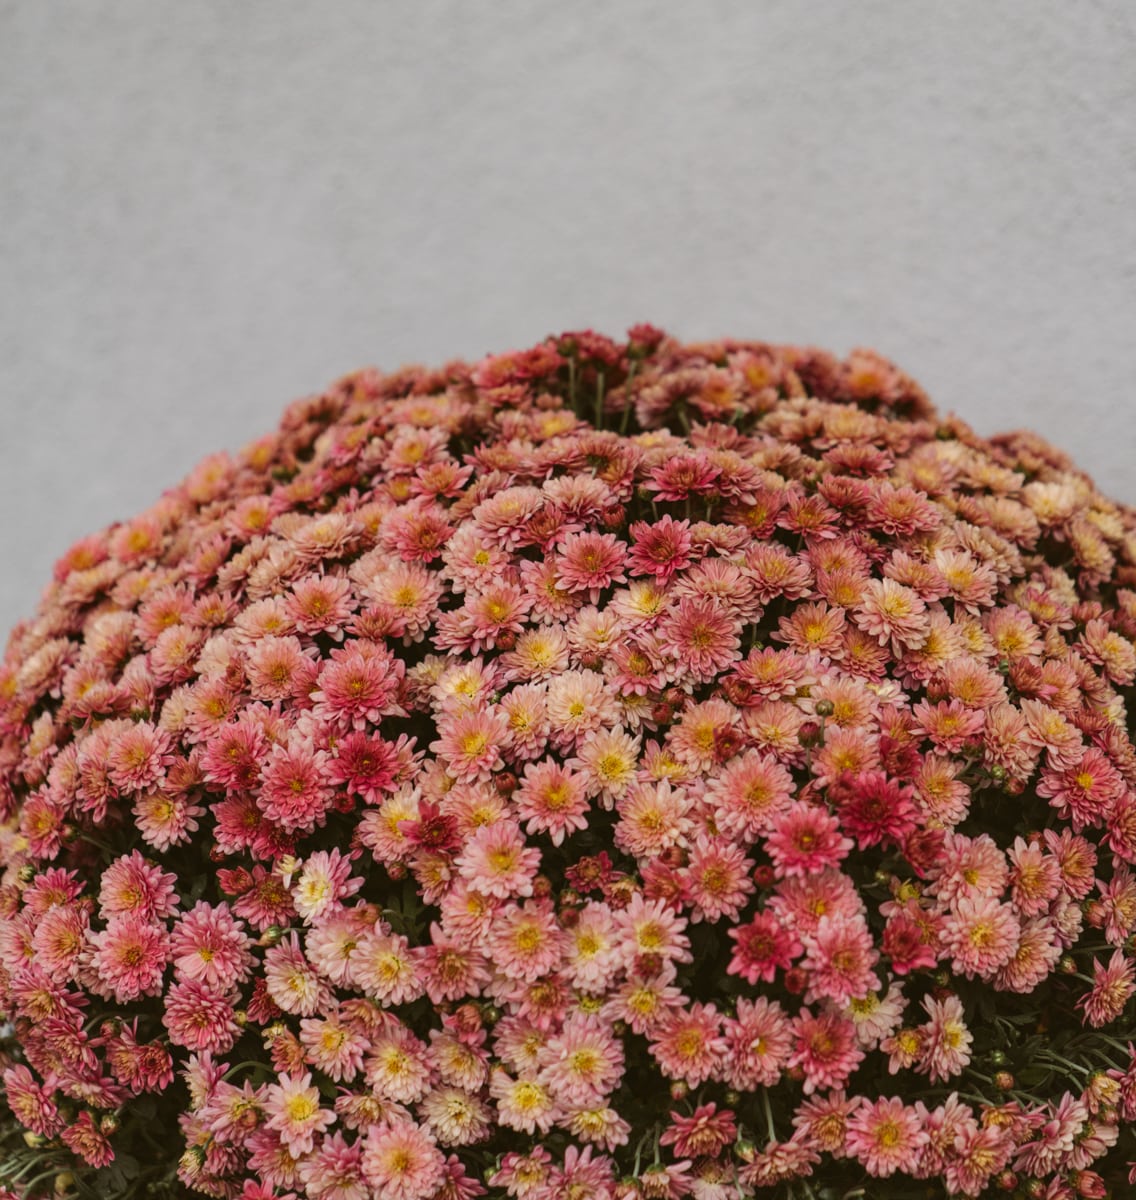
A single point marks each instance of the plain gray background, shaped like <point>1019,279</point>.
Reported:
<point>209,209</point>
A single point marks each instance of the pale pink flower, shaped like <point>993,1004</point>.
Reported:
<point>293,1109</point>
<point>552,799</point>
<point>1113,986</point>
<point>383,966</point>
<point>947,1040</point>
<point>583,1063</point>
<point>749,793</point>
<point>981,934</point>
<point>470,744</point>
<point>496,861</point>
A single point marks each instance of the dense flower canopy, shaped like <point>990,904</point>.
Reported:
<point>607,770</point>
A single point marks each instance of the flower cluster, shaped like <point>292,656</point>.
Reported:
<point>606,771</point>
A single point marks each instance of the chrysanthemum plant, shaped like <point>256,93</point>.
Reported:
<point>604,771</point>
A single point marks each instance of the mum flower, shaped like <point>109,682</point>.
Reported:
<point>293,1110</point>
<point>388,809</point>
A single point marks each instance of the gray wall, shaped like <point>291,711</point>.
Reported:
<point>208,209</point>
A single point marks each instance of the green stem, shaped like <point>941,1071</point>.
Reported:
<point>768,1114</point>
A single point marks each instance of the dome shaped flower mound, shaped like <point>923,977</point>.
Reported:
<point>605,771</point>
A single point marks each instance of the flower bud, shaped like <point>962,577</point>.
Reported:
<point>764,876</point>
<point>679,1090</point>
<point>824,708</point>
<point>796,981</point>
<point>1004,1081</point>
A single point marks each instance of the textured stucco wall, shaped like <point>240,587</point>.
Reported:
<point>208,209</point>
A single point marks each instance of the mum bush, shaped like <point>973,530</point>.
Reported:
<point>608,770</point>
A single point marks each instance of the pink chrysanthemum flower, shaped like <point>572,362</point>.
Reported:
<point>522,1104</point>
<point>335,1171</point>
<point>1113,986</point>
<point>199,1018</point>
<point>947,1040</point>
<point>982,935</point>
<point>325,882</point>
<point>886,1137</point>
<point>294,792</point>
<point>497,862</point>
<point>759,1039</point>
<point>826,1049</point>
<point>751,791</point>
<point>210,946</point>
<point>716,881</point>
<point>688,1045</point>
<point>590,562</point>
<point>133,885</point>
<point>470,744</point>
<point>661,548</point>
<point>358,685</point>
<point>805,839</point>
<point>703,636</point>
<point>764,947</point>
<point>552,799</point>
<point>839,956</point>
<point>293,1110</point>
<point>525,941</point>
<point>582,1064</point>
<point>131,956</point>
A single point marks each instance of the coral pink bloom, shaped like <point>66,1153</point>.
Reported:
<point>131,956</point>
<point>209,945</point>
<point>839,956</point>
<point>703,636</point>
<point>590,562</point>
<point>688,1045</point>
<point>294,792</point>
<point>764,946</point>
<point>1083,793</point>
<point>806,839</point>
<point>496,861</point>
<point>982,935</point>
<point>199,1018</point>
<point>661,548</point>
<point>886,1137</point>
<point>402,1162</point>
<point>758,1042</point>
<point>359,685</point>
<point>293,1110</point>
<point>826,1048</point>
